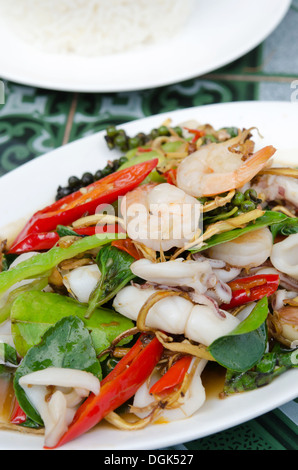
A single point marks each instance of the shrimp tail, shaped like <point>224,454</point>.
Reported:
<point>253,166</point>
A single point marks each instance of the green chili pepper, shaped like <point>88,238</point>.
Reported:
<point>44,262</point>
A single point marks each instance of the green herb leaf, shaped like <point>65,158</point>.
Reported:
<point>114,265</point>
<point>66,231</point>
<point>68,345</point>
<point>266,220</point>
<point>245,345</point>
<point>33,313</point>
<point>268,368</point>
<point>287,227</point>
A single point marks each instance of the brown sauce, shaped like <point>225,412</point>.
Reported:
<point>7,397</point>
<point>213,379</point>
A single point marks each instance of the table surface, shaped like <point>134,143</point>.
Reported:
<point>34,121</point>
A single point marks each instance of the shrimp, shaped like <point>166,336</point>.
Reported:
<point>215,169</point>
<point>161,216</point>
<point>247,251</point>
<point>284,320</point>
<point>176,315</point>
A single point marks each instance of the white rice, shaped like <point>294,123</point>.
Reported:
<point>94,27</point>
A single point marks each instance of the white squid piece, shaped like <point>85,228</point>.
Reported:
<point>176,315</point>
<point>194,398</point>
<point>278,188</point>
<point>71,387</point>
<point>247,251</point>
<point>80,282</point>
<point>195,274</point>
<point>284,256</point>
<point>199,275</point>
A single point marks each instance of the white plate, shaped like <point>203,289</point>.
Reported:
<point>36,183</point>
<point>218,33</point>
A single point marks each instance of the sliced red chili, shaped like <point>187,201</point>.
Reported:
<point>72,207</point>
<point>46,240</point>
<point>172,378</point>
<point>251,288</point>
<point>197,134</point>
<point>128,246</point>
<point>171,176</point>
<point>120,385</point>
<point>17,416</point>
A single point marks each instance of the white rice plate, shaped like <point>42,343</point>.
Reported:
<point>94,27</point>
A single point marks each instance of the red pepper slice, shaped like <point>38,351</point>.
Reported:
<point>46,240</point>
<point>173,377</point>
<point>144,149</point>
<point>251,288</point>
<point>35,242</point>
<point>171,176</point>
<point>105,191</point>
<point>120,385</point>
<point>197,134</point>
<point>17,416</point>
<point>128,246</point>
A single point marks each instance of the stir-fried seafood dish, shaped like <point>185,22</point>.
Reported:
<point>178,257</point>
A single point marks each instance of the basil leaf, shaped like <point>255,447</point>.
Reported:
<point>114,265</point>
<point>241,349</point>
<point>68,345</point>
<point>33,313</point>
<point>66,231</point>
<point>287,227</point>
<point>266,220</point>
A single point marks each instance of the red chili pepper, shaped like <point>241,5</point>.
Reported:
<point>46,240</point>
<point>120,385</point>
<point>128,246</point>
<point>197,134</point>
<point>17,416</point>
<point>173,377</point>
<point>171,176</point>
<point>72,207</point>
<point>144,149</point>
<point>252,288</point>
<point>35,242</point>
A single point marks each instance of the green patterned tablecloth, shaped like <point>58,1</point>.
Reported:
<point>34,121</point>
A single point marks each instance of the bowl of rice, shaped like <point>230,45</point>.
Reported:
<point>93,28</point>
<point>97,46</point>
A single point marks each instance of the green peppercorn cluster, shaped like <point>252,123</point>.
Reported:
<point>117,138</point>
<point>75,183</point>
<point>246,202</point>
<point>241,202</point>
